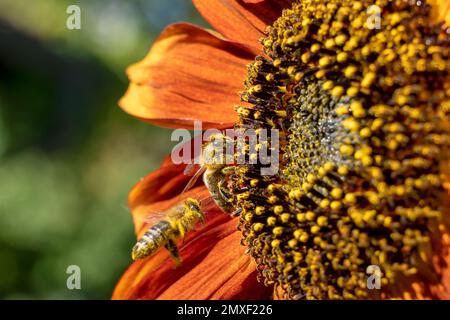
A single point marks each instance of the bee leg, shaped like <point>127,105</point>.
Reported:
<point>224,201</point>
<point>222,193</point>
<point>225,171</point>
<point>171,246</point>
<point>181,229</point>
<point>236,213</point>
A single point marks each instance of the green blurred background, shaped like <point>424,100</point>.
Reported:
<point>68,154</point>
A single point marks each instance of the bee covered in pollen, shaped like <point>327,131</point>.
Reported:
<point>169,226</point>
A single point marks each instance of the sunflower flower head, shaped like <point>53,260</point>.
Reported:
<point>363,118</point>
<point>357,96</point>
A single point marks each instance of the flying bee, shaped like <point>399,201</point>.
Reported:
<point>171,225</point>
<point>214,166</point>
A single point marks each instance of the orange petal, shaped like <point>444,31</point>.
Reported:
<point>214,267</point>
<point>441,10</point>
<point>243,21</point>
<point>189,74</point>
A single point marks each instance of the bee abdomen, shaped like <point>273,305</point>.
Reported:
<point>153,239</point>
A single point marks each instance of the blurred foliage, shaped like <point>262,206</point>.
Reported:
<point>68,154</point>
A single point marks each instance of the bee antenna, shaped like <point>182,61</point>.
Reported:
<point>193,179</point>
<point>204,198</point>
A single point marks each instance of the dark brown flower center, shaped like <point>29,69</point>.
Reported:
<point>363,115</point>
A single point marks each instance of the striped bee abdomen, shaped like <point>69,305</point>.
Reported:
<point>173,226</point>
<point>155,237</point>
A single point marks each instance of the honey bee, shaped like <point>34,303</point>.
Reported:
<point>171,225</point>
<point>215,169</point>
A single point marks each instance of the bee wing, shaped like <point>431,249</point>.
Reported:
<point>154,216</point>
<point>194,179</point>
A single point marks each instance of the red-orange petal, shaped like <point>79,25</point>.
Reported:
<point>243,21</point>
<point>441,10</point>
<point>214,267</point>
<point>189,74</point>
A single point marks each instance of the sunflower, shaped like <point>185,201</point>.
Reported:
<point>363,115</point>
